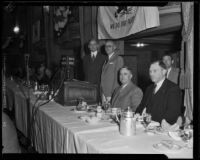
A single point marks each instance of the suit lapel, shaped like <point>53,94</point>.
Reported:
<point>162,88</point>
<point>106,65</point>
<point>126,89</point>
<point>172,73</point>
<point>116,95</point>
<point>97,57</point>
<point>120,92</point>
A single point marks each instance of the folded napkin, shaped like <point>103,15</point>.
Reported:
<point>175,135</point>
<point>167,127</point>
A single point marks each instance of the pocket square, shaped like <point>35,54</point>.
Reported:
<point>111,63</point>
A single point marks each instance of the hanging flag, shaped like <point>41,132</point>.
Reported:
<point>121,21</point>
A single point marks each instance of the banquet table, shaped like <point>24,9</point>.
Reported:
<point>58,129</point>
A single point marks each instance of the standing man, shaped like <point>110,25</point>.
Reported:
<point>172,73</point>
<point>109,76</point>
<point>163,98</point>
<point>92,64</point>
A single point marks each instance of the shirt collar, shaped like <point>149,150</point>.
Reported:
<point>123,86</point>
<point>94,53</point>
<point>110,55</point>
<point>159,84</point>
<point>169,71</point>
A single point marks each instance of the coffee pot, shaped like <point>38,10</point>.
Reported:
<point>127,122</point>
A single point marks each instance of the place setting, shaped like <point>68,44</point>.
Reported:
<point>83,107</point>
<point>180,135</point>
<point>167,146</point>
<point>94,114</point>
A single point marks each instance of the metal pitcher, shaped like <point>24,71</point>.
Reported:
<point>127,123</point>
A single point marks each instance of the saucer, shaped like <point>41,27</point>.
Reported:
<point>79,111</point>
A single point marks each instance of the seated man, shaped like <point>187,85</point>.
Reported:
<point>128,94</point>
<point>43,74</point>
<point>163,98</point>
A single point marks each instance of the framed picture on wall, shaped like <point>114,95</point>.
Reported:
<point>36,32</point>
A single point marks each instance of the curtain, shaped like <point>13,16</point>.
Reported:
<point>88,25</point>
<point>186,58</point>
<point>48,31</point>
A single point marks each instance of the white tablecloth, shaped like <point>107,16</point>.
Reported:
<point>59,130</point>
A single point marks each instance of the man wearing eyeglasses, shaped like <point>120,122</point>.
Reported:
<point>109,75</point>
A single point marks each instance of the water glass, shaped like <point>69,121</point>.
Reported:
<point>146,120</point>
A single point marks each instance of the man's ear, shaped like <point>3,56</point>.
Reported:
<point>172,61</point>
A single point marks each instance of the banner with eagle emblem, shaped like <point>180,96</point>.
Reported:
<point>120,21</point>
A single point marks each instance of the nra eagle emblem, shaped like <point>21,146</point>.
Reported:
<point>124,10</point>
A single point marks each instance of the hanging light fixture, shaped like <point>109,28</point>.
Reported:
<point>139,44</point>
<point>16,29</point>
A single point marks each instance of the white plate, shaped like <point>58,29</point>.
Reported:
<point>79,111</point>
<point>92,120</point>
<point>161,147</point>
<point>37,92</point>
<point>154,124</point>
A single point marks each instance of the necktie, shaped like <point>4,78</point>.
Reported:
<point>167,74</point>
<point>155,89</point>
<point>93,57</point>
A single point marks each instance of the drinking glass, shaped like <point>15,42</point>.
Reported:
<point>187,135</point>
<point>146,120</point>
<point>106,106</point>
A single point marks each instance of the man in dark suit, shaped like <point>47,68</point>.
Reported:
<point>92,64</point>
<point>128,94</point>
<point>163,98</point>
<point>109,75</point>
<point>172,72</point>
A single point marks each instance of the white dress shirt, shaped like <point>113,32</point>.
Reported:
<point>168,71</point>
<point>123,86</point>
<point>110,55</point>
<point>94,54</point>
<point>158,85</point>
